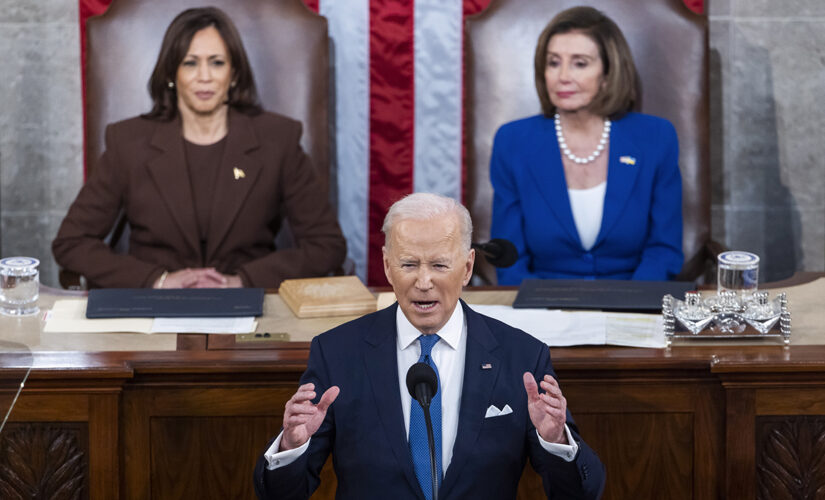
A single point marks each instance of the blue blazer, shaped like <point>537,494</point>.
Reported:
<point>365,432</point>
<point>641,233</point>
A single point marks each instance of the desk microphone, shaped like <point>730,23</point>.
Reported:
<point>498,252</point>
<point>422,382</point>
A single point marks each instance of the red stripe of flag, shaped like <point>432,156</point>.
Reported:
<point>391,119</point>
<point>312,5</point>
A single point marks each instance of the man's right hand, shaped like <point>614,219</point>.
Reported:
<point>302,418</point>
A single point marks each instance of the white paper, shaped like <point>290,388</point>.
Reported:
<point>558,328</point>
<point>232,326</point>
<point>69,316</point>
<point>635,330</point>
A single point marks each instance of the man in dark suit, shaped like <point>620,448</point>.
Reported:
<point>488,414</point>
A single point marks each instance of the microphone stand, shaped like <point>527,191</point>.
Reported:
<point>431,440</point>
<point>422,382</point>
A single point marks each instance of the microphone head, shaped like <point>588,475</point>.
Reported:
<point>422,382</point>
<point>506,254</point>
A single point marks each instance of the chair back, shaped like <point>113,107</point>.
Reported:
<point>287,45</point>
<point>670,48</point>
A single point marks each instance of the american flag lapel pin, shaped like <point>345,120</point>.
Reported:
<point>486,366</point>
<point>627,160</point>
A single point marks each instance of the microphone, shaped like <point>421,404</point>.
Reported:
<point>422,382</point>
<point>498,252</point>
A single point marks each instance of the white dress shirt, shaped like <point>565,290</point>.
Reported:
<point>448,355</point>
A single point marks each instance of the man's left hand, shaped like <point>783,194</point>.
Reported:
<point>548,410</point>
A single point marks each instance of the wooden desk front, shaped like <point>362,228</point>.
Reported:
<point>718,421</point>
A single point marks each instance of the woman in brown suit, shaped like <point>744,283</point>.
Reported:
<point>204,179</point>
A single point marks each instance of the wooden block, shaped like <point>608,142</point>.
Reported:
<point>332,296</point>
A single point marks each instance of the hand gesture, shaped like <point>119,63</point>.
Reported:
<point>548,410</point>
<point>302,418</point>
<point>205,277</point>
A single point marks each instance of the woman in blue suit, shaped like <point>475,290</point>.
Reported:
<point>589,189</point>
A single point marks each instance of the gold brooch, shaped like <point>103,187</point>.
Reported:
<point>239,174</point>
<point>627,160</point>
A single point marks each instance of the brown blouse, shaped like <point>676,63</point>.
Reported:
<point>203,163</point>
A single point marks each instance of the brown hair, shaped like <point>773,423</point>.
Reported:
<point>242,95</point>
<point>622,89</point>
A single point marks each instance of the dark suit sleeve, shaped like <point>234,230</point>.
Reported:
<point>298,480</point>
<point>662,256</point>
<point>79,244</point>
<point>584,477</point>
<point>320,247</point>
<point>508,217</point>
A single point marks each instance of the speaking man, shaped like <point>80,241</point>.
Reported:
<point>497,401</point>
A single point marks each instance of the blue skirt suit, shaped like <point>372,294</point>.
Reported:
<point>641,232</point>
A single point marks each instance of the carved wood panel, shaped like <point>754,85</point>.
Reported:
<point>790,457</point>
<point>44,460</point>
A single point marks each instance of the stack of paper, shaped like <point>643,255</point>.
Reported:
<point>568,328</point>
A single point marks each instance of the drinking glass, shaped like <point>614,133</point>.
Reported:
<point>19,286</point>
<point>738,271</point>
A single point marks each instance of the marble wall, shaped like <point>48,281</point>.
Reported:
<point>767,146</point>
<point>40,125</point>
<point>768,131</point>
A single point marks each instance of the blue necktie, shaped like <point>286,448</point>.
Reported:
<point>419,446</point>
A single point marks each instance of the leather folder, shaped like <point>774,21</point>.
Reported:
<point>174,303</point>
<point>602,295</point>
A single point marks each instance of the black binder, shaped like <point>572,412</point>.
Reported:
<point>603,295</point>
<point>174,303</point>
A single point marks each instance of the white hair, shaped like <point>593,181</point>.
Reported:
<point>426,206</point>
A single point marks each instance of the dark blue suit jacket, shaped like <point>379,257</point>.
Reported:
<point>365,432</point>
<point>641,232</point>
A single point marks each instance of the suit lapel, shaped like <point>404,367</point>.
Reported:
<point>621,176</point>
<point>475,394</point>
<point>381,361</point>
<point>171,177</point>
<point>237,174</point>
<point>546,168</point>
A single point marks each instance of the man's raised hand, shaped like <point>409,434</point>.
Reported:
<point>302,418</point>
<point>548,411</point>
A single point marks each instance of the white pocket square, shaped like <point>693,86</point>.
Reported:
<point>493,411</point>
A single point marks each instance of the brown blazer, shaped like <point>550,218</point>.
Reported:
<point>143,172</point>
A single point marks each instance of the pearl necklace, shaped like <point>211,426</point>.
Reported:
<point>595,154</point>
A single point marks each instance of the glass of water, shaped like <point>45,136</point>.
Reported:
<point>19,286</point>
<point>738,271</point>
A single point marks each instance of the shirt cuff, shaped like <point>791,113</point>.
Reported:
<point>566,452</point>
<point>276,459</point>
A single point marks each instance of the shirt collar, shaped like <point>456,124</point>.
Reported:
<point>449,333</point>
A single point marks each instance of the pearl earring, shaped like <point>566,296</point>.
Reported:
<point>171,84</point>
